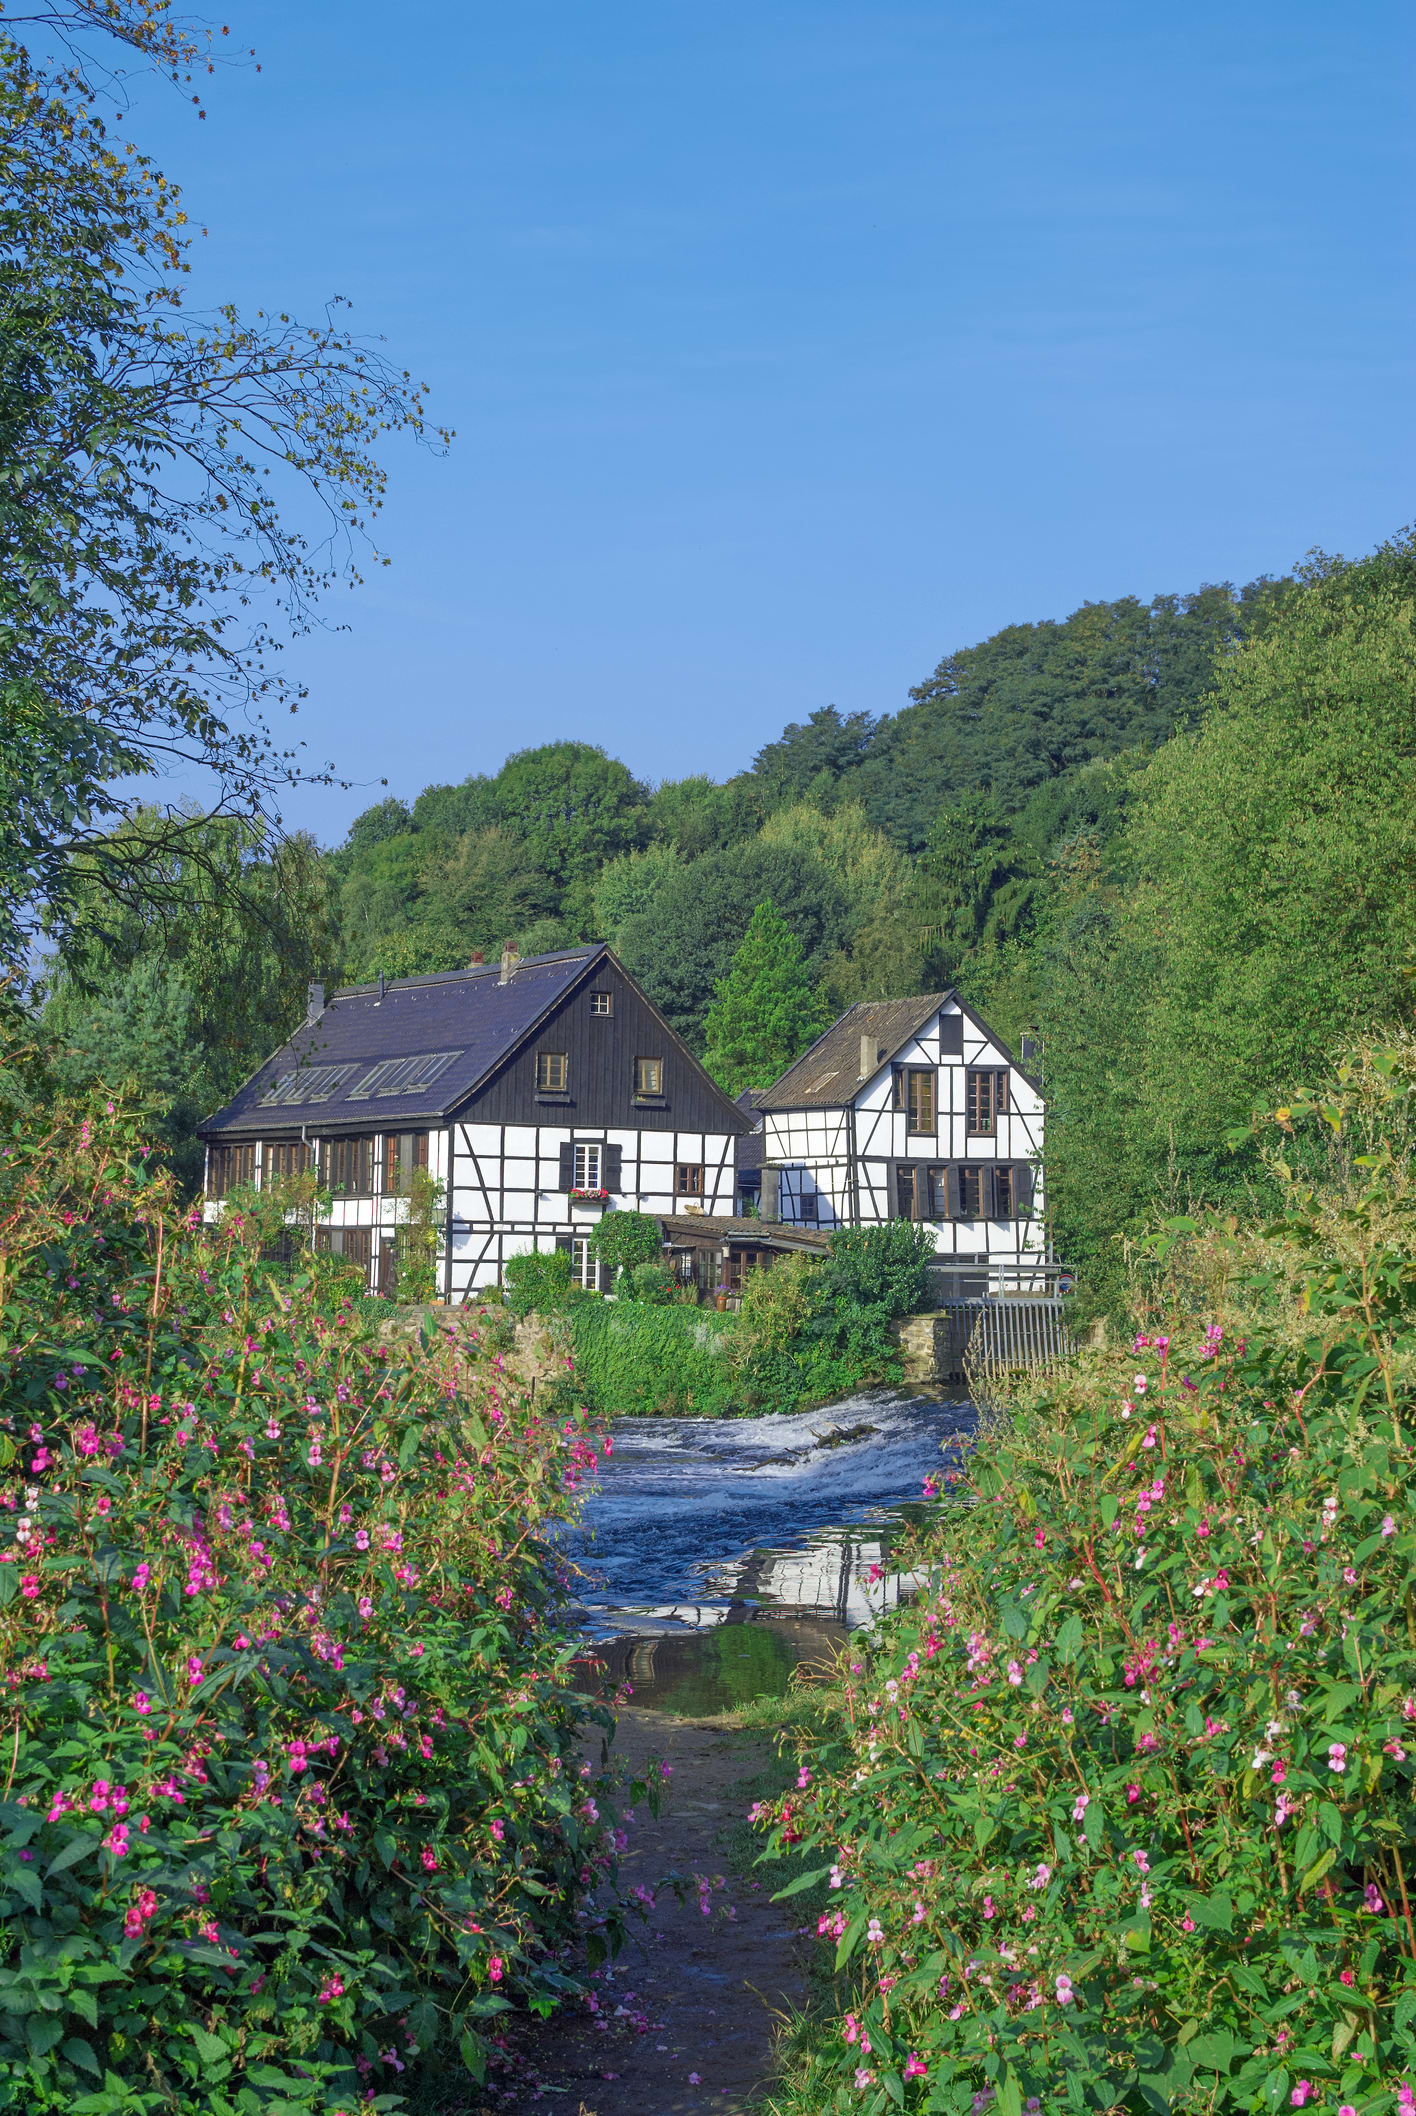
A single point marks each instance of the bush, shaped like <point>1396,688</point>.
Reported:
<point>538,1281</point>
<point>1120,1810</point>
<point>293,1782</point>
<point>624,1240</point>
<point>636,1360</point>
<point>653,1284</point>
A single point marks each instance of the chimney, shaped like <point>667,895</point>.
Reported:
<point>869,1056</point>
<point>314,1002</point>
<point>510,959</point>
<point>476,959</point>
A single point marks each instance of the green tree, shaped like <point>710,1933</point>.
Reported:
<point>188,980</point>
<point>808,760</point>
<point>1038,702</point>
<point>145,572</point>
<point>1258,910</point>
<point>683,942</point>
<point>628,886</point>
<point>765,1011</point>
<point>695,815</point>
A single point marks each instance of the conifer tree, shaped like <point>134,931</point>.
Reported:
<point>765,1011</point>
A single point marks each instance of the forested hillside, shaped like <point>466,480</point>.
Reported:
<point>1172,838</point>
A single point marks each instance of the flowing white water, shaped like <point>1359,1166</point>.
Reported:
<point>696,1522</point>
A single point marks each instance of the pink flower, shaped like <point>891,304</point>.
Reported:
<point>499,1831</point>
<point>29,1585</point>
<point>915,2066</point>
<point>1080,1806</point>
<point>494,1968</point>
<point>429,1858</point>
<point>1301,2093</point>
<point>141,1701</point>
<point>1388,1529</point>
<point>694,2080</point>
<point>333,1988</point>
<point>1372,1901</point>
<point>1065,1993</point>
<point>117,1840</point>
<point>1337,1761</point>
<point>1141,1861</point>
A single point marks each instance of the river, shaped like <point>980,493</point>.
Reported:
<point>718,1554</point>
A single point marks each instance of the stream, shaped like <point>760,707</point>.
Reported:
<point>716,1555</point>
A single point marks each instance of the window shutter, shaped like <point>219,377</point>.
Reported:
<point>567,1167</point>
<point>613,1178</point>
<point>1022,1189</point>
<point>563,1241</point>
<point>987,1194</point>
<point>956,1201</point>
<point>902,1179</point>
<point>951,1035</point>
<point>897,1087</point>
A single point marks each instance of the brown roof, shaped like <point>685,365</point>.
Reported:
<point>828,1076</point>
<point>765,1234</point>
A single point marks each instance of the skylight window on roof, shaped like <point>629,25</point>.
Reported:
<point>307,1083</point>
<point>402,1076</point>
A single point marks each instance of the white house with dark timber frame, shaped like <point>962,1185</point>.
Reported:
<point>540,1094</point>
<point>912,1109</point>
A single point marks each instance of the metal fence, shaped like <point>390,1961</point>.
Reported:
<point>985,1340</point>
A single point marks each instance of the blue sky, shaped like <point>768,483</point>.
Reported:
<point>790,344</point>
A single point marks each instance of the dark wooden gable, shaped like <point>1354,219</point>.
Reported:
<point>601,1050</point>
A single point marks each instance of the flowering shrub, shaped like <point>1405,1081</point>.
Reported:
<point>1119,1812</point>
<point>291,1780</point>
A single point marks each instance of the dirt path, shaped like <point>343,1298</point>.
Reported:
<point>690,2010</point>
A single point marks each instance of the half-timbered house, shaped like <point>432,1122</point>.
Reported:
<point>539,1094</point>
<point>912,1109</point>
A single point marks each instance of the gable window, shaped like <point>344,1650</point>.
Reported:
<point>552,1072</point>
<point>987,1101</point>
<point>648,1076</point>
<point>347,1166</point>
<point>403,1152</point>
<point>688,1179</point>
<point>588,1165</point>
<point>920,1099</point>
<point>602,1002</point>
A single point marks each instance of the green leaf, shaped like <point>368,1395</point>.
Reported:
<point>1317,1870</point>
<point>80,2052</point>
<point>802,1881</point>
<point>1069,1639</point>
<point>73,1851</point>
<point>211,2048</point>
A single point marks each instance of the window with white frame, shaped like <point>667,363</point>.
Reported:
<point>584,1264</point>
<point>588,1162</point>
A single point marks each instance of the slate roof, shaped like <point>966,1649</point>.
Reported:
<point>469,1014</point>
<point>827,1075</point>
